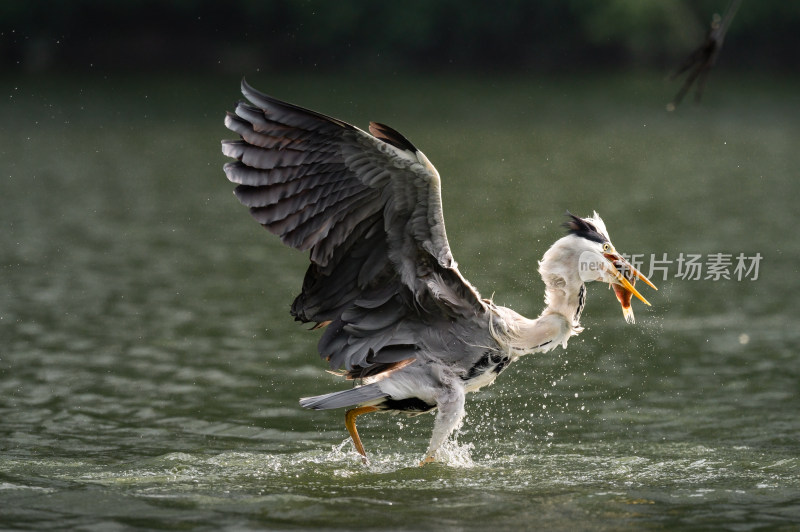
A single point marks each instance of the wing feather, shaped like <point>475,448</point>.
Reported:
<point>241,174</point>
<point>368,208</point>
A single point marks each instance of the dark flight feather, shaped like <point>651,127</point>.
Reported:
<point>369,213</point>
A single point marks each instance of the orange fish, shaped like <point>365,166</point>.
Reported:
<point>626,276</point>
<point>624,297</point>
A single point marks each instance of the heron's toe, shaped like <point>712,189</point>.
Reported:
<point>427,460</point>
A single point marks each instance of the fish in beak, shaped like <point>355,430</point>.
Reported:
<point>625,276</point>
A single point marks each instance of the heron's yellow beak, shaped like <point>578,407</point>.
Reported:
<point>626,276</point>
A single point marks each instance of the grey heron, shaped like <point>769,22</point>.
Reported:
<point>398,315</point>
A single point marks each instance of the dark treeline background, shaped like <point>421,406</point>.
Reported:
<point>79,36</point>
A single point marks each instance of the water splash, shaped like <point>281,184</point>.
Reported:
<point>456,455</point>
<point>451,454</point>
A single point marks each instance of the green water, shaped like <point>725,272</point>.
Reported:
<point>149,370</point>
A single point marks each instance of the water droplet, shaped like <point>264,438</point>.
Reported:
<point>744,338</point>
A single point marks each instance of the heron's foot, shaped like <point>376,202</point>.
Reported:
<point>427,460</point>
<point>350,423</point>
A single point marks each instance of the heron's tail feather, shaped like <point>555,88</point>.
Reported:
<point>353,396</point>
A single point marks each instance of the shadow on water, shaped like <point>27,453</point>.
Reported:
<point>150,372</point>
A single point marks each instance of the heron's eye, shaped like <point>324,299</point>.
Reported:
<point>606,247</point>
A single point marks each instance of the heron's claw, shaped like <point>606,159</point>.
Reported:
<point>427,460</point>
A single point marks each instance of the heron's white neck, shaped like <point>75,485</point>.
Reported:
<point>565,295</point>
<point>564,299</point>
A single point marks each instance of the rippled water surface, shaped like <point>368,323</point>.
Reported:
<point>149,370</point>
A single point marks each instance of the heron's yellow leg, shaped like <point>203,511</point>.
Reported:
<point>350,423</point>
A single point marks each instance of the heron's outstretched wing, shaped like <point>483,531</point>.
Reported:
<point>368,208</point>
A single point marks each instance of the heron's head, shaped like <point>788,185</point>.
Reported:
<point>588,248</point>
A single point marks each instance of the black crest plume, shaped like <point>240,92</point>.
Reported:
<point>583,228</point>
